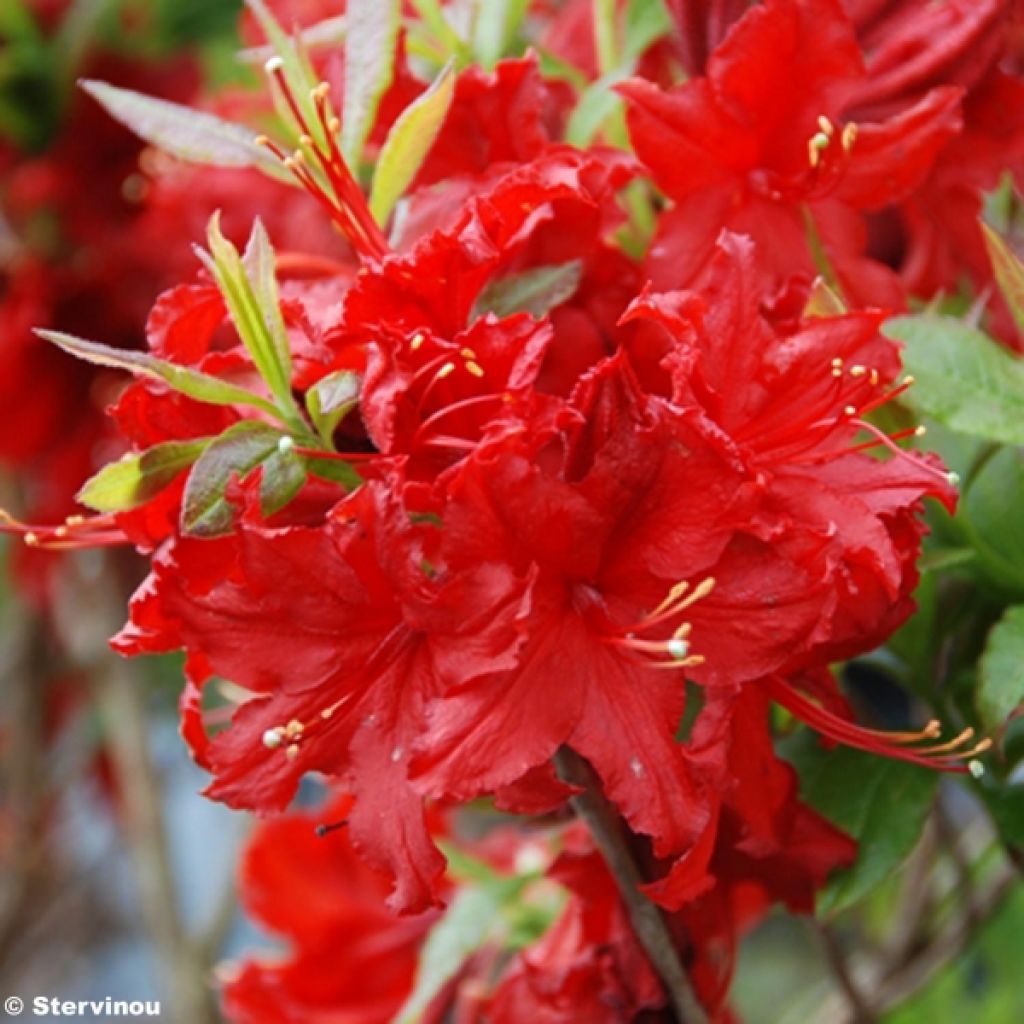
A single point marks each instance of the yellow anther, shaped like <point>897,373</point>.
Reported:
<point>920,431</point>
<point>445,371</point>
<point>334,126</point>
<point>467,353</point>
<point>261,140</point>
<point>474,368</point>
<point>849,136</point>
<point>292,752</point>
<point>850,410</point>
<point>417,342</point>
<point>858,370</point>
<point>826,125</point>
<point>837,363</point>
<point>321,92</point>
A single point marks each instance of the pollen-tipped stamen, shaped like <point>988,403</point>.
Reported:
<point>899,745</point>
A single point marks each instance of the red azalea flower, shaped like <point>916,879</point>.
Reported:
<point>349,961</point>
<point>340,676</point>
<point>760,144</point>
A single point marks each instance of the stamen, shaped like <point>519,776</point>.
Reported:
<point>946,756</point>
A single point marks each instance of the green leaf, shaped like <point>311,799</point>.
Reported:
<point>646,22</point>
<point>369,69</point>
<point>336,470</point>
<point>1001,670</point>
<point>964,379</point>
<point>284,473</point>
<point>463,930</point>
<point>139,476</point>
<point>823,301</point>
<point>596,106</point>
<point>879,801</point>
<point>408,143</point>
<point>432,16</point>
<point>296,68</point>
<point>261,269</point>
<point>1009,272</point>
<point>330,400</point>
<point>200,386</point>
<point>535,291</point>
<point>205,511</point>
<point>250,292</point>
<point>496,24</point>
<point>990,514</point>
<point>185,133</point>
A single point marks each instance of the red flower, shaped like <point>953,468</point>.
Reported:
<point>349,960</point>
<point>762,135</point>
<point>343,633</point>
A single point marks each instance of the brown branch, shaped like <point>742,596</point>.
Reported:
<point>860,1011</point>
<point>189,991</point>
<point>648,923</point>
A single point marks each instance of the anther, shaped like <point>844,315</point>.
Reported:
<point>474,368</point>
<point>850,410</point>
<point>849,136</point>
<point>445,371</point>
<point>826,125</point>
<point>292,752</point>
<point>273,738</point>
<point>320,92</point>
<point>417,342</point>
<point>467,353</point>
<point>920,430</point>
<point>678,648</point>
<point>858,370</point>
<point>31,539</point>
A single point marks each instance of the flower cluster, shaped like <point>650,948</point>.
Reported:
<point>566,464</point>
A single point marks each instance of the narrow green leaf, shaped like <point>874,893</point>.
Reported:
<point>139,476</point>
<point>495,26</point>
<point>336,470</point>
<point>823,301</point>
<point>284,473</point>
<point>647,21</point>
<point>597,105</point>
<point>205,511</point>
<point>605,34</point>
<point>463,930</point>
<point>880,802</point>
<point>250,293</point>
<point>295,65</point>
<point>964,379</point>
<point>432,15</point>
<point>185,133</point>
<point>1009,272</point>
<point>201,386</point>
<point>1001,670</point>
<point>369,69</point>
<point>261,269</point>
<point>535,291</point>
<point>408,143</point>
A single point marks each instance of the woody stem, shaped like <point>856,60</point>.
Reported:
<point>649,925</point>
